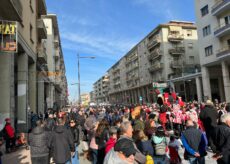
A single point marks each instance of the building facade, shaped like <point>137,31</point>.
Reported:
<point>213,23</point>
<point>85,99</point>
<point>101,90</point>
<point>24,75</point>
<point>170,51</point>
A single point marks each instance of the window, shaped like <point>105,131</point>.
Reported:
<point>208,51</point>
<point>191,59</point>
<point>204,10</point>
<point>206,30</point>
<point>228,42</point>
<point>227,20</point>
<point>190,45</point>
<point>189,32</point>
<point>31,33</point>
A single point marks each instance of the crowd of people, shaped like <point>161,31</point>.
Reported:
<point>121,134</point>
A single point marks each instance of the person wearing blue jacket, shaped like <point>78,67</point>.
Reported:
<point>195,144</point>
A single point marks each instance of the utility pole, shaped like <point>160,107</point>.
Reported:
<point>79,89</point>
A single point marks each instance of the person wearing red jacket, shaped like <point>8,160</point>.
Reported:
<point>9,136</point>
<point>112,140</point>
<point>163,116</point>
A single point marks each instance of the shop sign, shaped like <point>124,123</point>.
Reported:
<point>8,36</point>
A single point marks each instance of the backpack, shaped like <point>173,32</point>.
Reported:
<point>160,149</point>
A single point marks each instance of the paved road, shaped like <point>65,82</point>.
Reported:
<point>22,156</point>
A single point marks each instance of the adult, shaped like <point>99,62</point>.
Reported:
<point>139,123</point>
<point>88,125</point>
<point>39,144</point>
<point>209,117</point>
<point>163,116</point>
<point>194,142</point>
<point>50,122</point>
<point>222,140</point>
<point>62,143</point>
<point>9,136</point>
<point>127,133</point>
<point>144,144</point>
<point>76,137</point>
<point>122,153</point>
<point>102,136</point>
<point>150,126</point>
<point>160,145</point>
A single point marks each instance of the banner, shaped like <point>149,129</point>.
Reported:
<point>8,36</point>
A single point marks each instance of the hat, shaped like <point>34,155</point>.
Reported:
<point>209,102</point>
<point>7,119</point>
<point>125,146</point>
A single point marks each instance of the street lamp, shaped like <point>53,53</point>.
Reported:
<point>78,65</point>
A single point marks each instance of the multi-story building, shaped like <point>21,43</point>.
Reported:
<point>101,89</point>
<point>85,99</point>
<point>92,97</point>
<point>57,92</point>
<point>24,76</point>
<point>169,54</point>
<point>213,23</point>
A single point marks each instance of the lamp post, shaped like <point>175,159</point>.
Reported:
<point>78,65</point>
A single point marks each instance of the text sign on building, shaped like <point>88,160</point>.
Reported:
<point>8,36</point>
<point>159,85</point>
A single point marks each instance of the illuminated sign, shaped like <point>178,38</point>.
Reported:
<point>8,36</point>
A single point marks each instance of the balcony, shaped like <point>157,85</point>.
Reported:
<point>223,53</point>
<point>131,58</point>
<point>155,67</point>
<point>11,10</point>
<point>56,55</point>
<point>222,30</point>
<point>154,42</point>
<point>42,32</point>
<point>175,37</point>
<point>42,56</point>
<point>56,41</point>
<point>41,7</point>
<point>176,64</point>
<point>57,68</point>
<point>177,51</point>
<point>220,7</point>
<point>155,54</point>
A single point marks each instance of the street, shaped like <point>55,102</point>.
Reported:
<point>22,156</point>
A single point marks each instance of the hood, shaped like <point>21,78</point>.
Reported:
<point>157,140</point>
<point>38,130</point>
<point>60,129</point>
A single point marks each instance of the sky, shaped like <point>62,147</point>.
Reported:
<point>107,30</point>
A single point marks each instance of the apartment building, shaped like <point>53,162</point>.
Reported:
<point>101,89</point>
<point>24,78</point>
<point>57,92</point>
<point>213,23</point>
<point>168,54</point>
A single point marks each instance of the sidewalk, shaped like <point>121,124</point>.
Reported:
<point>21,156</point>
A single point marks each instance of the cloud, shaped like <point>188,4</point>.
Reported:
<point>159,8</point>
<point>107,46</point>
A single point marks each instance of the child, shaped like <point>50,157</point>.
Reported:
<point>173,150</point>
<point>112,140</point>
<point>21,141</point>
